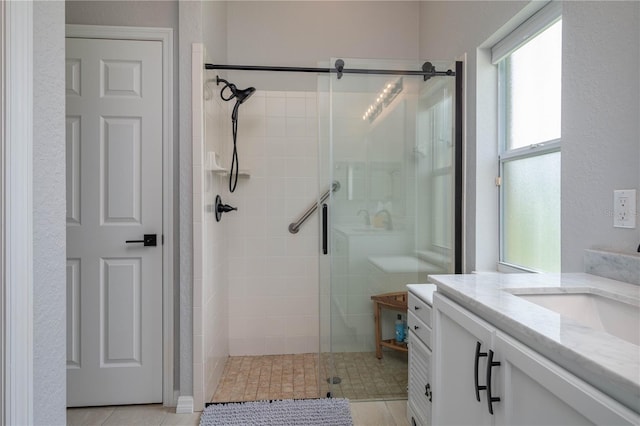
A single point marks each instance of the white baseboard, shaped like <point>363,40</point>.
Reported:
<point>185,405</point>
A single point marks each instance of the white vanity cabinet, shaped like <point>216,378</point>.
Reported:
<point>525,387</point>
<point>419,325</point>
<point>460,335</point>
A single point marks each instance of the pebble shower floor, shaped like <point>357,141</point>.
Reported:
<point>294,376</point>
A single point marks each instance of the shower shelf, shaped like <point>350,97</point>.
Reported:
<point>212,164</point>
<point>225,172</point>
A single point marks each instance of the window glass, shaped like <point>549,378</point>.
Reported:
<point>531,212</point>
<point>533,90</point>
<point>530,111</point>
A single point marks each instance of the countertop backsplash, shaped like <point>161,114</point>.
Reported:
<point>615,265</point>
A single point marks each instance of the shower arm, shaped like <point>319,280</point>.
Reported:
<point>294,227</point>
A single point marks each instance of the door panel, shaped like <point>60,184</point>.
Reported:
<point>73,313</point>
<point>531,381</point>
<point>120,183</point>
<point>114,195</point>
<point>121,312</point>
<point>73,169</point>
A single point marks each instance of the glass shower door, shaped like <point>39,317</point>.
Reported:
<point>388,140</point>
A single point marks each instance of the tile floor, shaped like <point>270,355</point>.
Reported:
<point>371,413</point>
<point>251,378</point>
<point>126,415</point>
<point>362,377</point>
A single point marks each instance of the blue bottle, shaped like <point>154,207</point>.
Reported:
<point>399,330</point>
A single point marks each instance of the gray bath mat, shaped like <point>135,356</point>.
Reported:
<point>288,412</point>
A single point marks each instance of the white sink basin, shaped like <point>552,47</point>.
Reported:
<point>593,310</point>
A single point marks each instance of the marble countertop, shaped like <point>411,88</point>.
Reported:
<point>601,359</point>
<point>423,291</point>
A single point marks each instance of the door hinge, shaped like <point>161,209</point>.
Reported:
<point>498,180</point>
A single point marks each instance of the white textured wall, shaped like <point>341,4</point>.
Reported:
<point>301,33</point>
<point>49,216</point>
<point>125,13</point>
<point>214,31</point>
<point>600,124</point>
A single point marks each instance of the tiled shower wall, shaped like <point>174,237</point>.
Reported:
<point>273,274</point>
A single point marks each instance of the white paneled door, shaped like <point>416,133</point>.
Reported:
<point>114,195</point>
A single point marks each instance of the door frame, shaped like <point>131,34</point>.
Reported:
<point>165,36</point>
<point>16,254</point>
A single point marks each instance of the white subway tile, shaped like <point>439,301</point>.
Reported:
<point>276,127</point>
<point>296,127</point>
<point>275,94</point>
<point>311,106</point>
<point>274,345</point>
<point>275,148</point>
<point>275,246</point>
<point>276,167</point>
<point>276,107</point>
<point>276,187</point>
<point>311,129</point>
<point>254,106</point>
<point>236,287</point>
<point>295,94</point>
<point>296,345</point>
<point>296,107</point>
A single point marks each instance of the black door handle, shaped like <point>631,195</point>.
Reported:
<point>325,237</point>
<point>491,399</point>
<point>475,370</point>
<point>149,240</point>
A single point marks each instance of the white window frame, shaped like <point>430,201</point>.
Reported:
<point>539,22</point>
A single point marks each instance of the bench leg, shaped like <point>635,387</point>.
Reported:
<point>376,316</point>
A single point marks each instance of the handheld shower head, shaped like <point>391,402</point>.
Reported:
<point>240,95</point>
<point>243,95</point>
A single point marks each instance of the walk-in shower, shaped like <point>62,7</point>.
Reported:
<point>388,135</point>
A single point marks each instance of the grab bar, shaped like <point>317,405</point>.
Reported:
<point>294,227</point>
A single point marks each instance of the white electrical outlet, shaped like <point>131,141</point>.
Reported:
<point>624,208</point>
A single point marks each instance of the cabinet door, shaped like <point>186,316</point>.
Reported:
<point>420,387</point>
<point>456,369</point>
<point>536,391</point>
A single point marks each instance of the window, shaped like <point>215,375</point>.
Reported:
<point>529,68</point>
